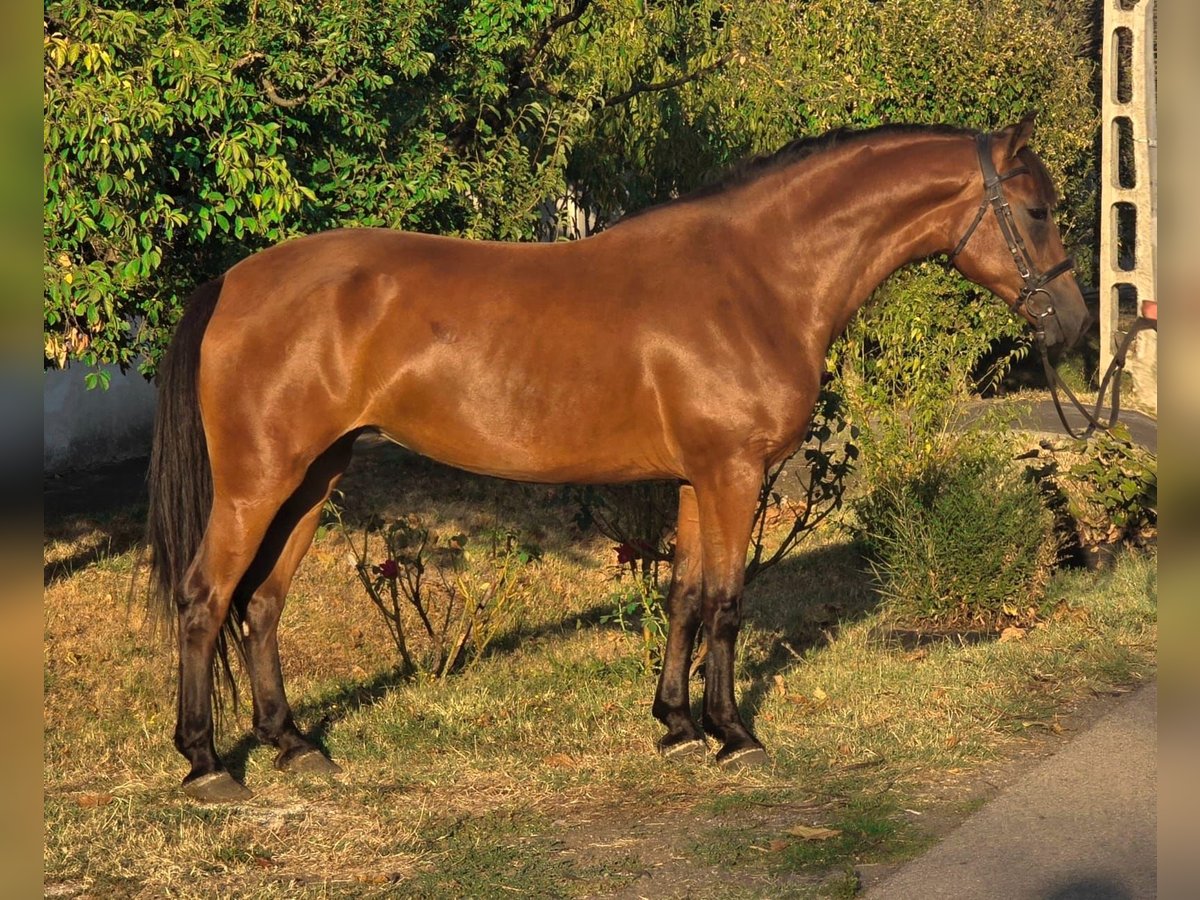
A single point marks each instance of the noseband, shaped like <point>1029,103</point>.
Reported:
<point>1033,280</point>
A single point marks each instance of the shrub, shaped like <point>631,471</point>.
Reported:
<point>960,537</point>
<point>1103,491</point>
<point>905,363</point>
<point>443,603</point>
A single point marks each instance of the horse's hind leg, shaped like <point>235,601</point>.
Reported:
<point>671,704</point>
<point>236,526</point>
<point>293,529</point>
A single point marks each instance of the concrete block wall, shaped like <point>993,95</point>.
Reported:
<point>82,428</point>
<point>1128,188</point>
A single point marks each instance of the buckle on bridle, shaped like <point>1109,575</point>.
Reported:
<point>1025,303</point>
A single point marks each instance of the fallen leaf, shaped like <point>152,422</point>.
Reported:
<point>952,741</point>
<point>374,878</point>
<point>91,801</point>
<point>1012,633</point>
<point>819,695</point>
<point>913,656</point>
<point>780,687</point>
<point>813,832</point>
<point>778,844</point>
<point>559,761</point>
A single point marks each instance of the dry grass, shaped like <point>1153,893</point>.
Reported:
<point>533,772</point>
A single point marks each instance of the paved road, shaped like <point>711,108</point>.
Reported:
<point>1081,825</point>
<point>1041,416</point>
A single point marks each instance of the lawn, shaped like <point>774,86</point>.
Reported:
<point>533,772</point>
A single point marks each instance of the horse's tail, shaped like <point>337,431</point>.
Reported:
<point>180,480</point>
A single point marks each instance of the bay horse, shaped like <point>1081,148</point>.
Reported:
<point>686,342</point>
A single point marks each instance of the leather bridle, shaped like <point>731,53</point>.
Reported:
<point>1034,282</point>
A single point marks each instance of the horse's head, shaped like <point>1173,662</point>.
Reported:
<point>1012,245</point>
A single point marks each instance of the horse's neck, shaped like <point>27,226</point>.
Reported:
<point>856,214</point>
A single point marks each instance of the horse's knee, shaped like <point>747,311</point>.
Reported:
<point>683,599</point>
<point>723,614</point>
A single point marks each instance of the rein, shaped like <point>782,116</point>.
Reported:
<point>1113,375</point>
<point>1034,283</point>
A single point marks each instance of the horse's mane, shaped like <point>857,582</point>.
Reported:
<point>755,167</point>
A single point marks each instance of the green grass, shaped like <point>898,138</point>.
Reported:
<point>533,771</point>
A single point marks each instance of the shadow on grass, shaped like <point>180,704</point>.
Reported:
<point>103,536</point>
<point>328,708</point>
<point>332,708</point>
<point>804,601</point>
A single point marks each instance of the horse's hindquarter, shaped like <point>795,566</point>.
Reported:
<point>588,361</point>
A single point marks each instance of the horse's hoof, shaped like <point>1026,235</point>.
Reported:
<point>307,762</point>
<point>746,758</point>
<point>216,787</point>
<point>684,751</point>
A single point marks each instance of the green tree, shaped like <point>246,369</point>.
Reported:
<point>179,138</point>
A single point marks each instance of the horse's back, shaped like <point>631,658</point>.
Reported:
<point>528,361</point>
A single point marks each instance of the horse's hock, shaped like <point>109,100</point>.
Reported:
<point>1129,195</point>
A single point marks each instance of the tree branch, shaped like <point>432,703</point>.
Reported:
<point>643,87</point>
<point>557,23</point>
<point>272,92</point>
<point>243,61</point>
<point>292,102</point>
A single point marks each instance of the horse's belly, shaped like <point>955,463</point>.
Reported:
<point>553,458</point>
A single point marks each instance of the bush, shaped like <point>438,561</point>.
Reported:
<point>1103,491</point>
<point>961,538</point>
<point>444,599</point>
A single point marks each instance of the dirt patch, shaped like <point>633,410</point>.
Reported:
<point>640,853</point>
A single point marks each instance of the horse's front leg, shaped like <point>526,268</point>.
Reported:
<point>726,504</point>
<point>671,704</point>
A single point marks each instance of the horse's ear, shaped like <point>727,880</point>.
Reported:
<point>1017,136</point>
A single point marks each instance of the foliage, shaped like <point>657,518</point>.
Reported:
<point>1103,490</point>
<point>641,609</point>
<point>904,364</point>
<point>178,138</point>
<point>958,536</point>
<point>462,598</point>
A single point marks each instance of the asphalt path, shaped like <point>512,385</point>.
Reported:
<point>1080,825</point>
<point>1041,416</point>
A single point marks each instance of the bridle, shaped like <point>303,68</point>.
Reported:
<point>1034,282</point>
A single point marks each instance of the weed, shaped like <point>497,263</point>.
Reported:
<point>1103,490</point>
<point>641,610</point>
<point>960,537</point>
<point>461,607</point>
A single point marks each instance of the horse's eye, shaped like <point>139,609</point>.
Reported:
<point>1039,213</point>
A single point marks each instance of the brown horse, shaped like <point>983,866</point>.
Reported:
<point>685,343</point>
